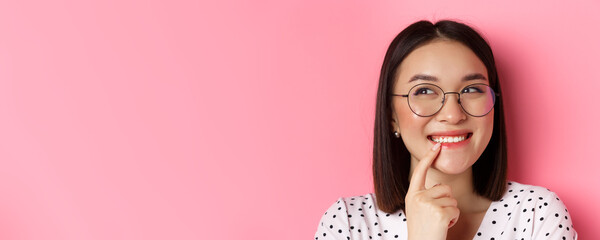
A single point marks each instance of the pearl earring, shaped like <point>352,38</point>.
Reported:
<point>397,134</point>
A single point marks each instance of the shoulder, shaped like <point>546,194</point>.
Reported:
<point>347,207</point>
<point>530,196</point>
<point>535,209</point>
<point>358,217</point>
<point>335,222</point>
<point>357,204</point>
<point>517,193</point>
<point>514,186</point>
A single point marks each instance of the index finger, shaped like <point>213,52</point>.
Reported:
<point>417,181</point>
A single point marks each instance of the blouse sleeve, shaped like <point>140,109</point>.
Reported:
<point>552,219</point>
<point>334,223</point>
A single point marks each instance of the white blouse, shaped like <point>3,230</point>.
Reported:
<point>524,212</point>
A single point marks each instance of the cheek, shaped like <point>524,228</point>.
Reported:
<point>486,129</point>
<point>411,130</point>
<point>408,122</point>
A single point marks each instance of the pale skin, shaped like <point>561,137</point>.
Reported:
<point>441,202</point>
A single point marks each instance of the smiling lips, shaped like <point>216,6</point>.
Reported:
<point>449,138</point>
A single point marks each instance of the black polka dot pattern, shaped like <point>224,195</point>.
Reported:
<point>524,212</point>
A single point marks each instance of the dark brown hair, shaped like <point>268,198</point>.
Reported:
<point>391,159</point>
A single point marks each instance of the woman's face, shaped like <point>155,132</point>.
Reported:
<point>451,66</point>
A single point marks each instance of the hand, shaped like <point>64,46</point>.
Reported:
<point>429,212</point>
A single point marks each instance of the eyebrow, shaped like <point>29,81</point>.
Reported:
<point>472,76</point>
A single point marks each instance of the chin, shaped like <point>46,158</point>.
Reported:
<point>451,166</point>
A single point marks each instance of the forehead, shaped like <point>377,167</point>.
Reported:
<point>446,60</point>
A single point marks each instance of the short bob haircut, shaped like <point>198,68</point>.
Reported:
<point>391,159</point>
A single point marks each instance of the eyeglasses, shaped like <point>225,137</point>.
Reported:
<point>426,99</point>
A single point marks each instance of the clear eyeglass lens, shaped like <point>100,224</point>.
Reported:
<point>425,99</point>
<point>477,100</point>
<point>428,99</point>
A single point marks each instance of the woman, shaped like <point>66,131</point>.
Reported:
<point>439,159</point>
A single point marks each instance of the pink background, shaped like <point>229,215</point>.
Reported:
<point>239,120</point>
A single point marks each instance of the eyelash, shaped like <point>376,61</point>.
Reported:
<point>418,92</point>
<point>476,90</point>
<point>466,90</point>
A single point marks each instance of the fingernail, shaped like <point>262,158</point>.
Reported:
<point>436,146</point>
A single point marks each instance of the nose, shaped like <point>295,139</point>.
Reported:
<point>451,111</point>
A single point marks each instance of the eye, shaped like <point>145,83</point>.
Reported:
<point>424,91</point>
<point>473,89</point>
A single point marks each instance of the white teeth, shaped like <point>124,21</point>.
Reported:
<point>449,139</point>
